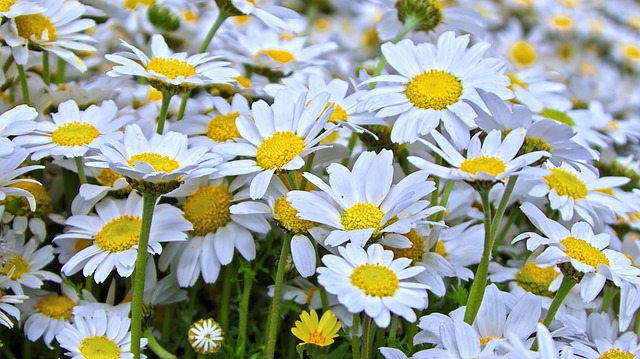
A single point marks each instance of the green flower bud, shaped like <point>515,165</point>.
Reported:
<point>163,18</point>
<point>425,15</point>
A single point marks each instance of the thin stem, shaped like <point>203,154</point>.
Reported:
<point>166,98</point>
<point>291,178</point>
<point>355,339</point>
<point>480,280</point>
<point>168,320</point>
<point>274,312</point>
<point>244,309</point>
<point>607,298</point>
<point>80,166</point>
<point>408,26</point>
<point>229,272</point>
<point>445,198</point>
<point>61,67</point>
<point>366,328</point>
<point>514,215</point>
<point>561,294</point>
<point>153,344</point>
<point>183,105</point>
<point>511,184</point>
<point>23,85</point>
<point>148,204</point>
<point>393,331</point>
<point>46,75</point>
<point>307,168</point>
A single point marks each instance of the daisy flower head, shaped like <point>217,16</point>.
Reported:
<point>277,138</point>
<point>58,30</point>
<point>624,347</point>
<point>98,335</point>
<point>170,72</point>
<point>311,330</point>
<point>114,234</point>
<point>486,163</point>
<point>433,81</point>
<point>72,132</point>
<point>579,252</point>
<point>23,266</point>
<point>373,282</point>
<point>363,202</point>
<point>7,302</point>
<point>10,186</point>
<point>156,165</point>
<point>277,17</point>
<point>205,336</point>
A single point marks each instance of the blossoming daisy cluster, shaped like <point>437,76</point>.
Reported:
<point>320,179</point>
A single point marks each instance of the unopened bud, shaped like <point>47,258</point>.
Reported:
<point>163,18</point>
<point>425,15</point>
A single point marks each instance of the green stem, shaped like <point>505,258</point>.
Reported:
<point>480,280</point>
<point>561,294</point>
<point>46,76</point>
<point>366,328</point>
<point>244,309</point>
<point>226,297</point>
<point>61,67</point>
<point>274,312</point>
<point>168,320</point>
<point>7,351</point>
<point>80,166</point>
<point>183,105</point>
<point>307,168</point>
<point>23,85</point>
<point>514,215</point>
<point>445,198</point>
<point>607,298</point>
<point>291,178</point>
<point>153,344</point>
<point>149,203</point>
<point>511,184</point>
<point>393,331</point>
<point>355,339</point>
<point>408,26</point>
<point>166,98</point>
<point>352,143</point>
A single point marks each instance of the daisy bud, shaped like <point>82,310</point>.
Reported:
<point>163,18</point>
<point>425,14</point>
<point>205,336</point>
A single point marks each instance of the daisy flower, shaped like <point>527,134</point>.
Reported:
<point>72,132</point>
<point>271,15</point>
<point>9,184</point>
<point>171,72</point>
<point>17,121</point>
<point>23,267</point>
<point>7,302</point>
<point>373,282</point>
<point>114,235</point>
<point>58,30</point>
<point>580,253</point>
<point>490,162</point>
<point>98,336</point>
<point>362,203</point>
<point>205,336</point>
<point>320,332</point>
<point>276,139</point>
<point>626,346</point>
<point>433,82</point>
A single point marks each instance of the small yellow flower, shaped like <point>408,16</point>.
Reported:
<point>318,332</point>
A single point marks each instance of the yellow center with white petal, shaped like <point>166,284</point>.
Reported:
<point>535,279</point>
<point>434,89</point>
<point>279,149</point>
<point>491,165</point>
<point>582,251</point>
<point>107,177</point>
<point>159,162</point>
<point>414,252</point>
<point>523,54</point>
<point>208,209</point>
<point>362,216</point>
<point>133,4</point>
<point>616,353</point>
<point>375,280</point>
<point>74,134</point>
<point>80,244</point>
<point>339,114</point>
<point>631,52</point>
<point>19,206</point>
<point>222,128</point>
<point>561,22</point>
<point>277,55</point>
<point>287,217</point>
<point>20,266</point>
<point>154,95</point>
<point>190,16</point>
<point>485,340</point>
<point>99,347</point>
<point>244,82</point>
<point>515,81</point>
<point>119,234</point>
<point>56,306</point>
<point>5,5</point>
<point>35,25</point>
<point>171,68</point>
<point>566,184</point>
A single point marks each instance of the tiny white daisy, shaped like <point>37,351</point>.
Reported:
<point>205,336</point>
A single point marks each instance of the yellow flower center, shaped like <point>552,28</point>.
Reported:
<point>279,149</point>
<point>277,55</point>
<point>535,279</point>
<point>491,165</point>
<point>616,354</point>
<point>158,162</point>
<point>35,25</point>
<point>190,16</point>
<point>515,81</point>
<point>485,340</point>
<point>222,128</point>
<point>362,216</point>
<point>375,280</point>
<point>171,68</point>
<point>19,265</point>
<point>208,209</point>
<point>107,177</point>
<point>243,81</point>
<point>154,95</point>
<point>99,347</point>
<point>74,134</point>
<point>5,5</point>
<point>19,206</point>
<point>317,338</point>
<point>558,116</point>
<point>584,252</point>
<point>81,244</point>
<point>414,252</point>
<point>566,184</point>
<point>322,24</point>
<point>631,52</point>
<point>133,4</point>
<point>56,306</point>
<point>523,54</point>
<point>339,114</point>
<point>287,217</point>
<point>119,234</point>
<point>440,249</point>
<point>434,89</point>
<point>562,22</point>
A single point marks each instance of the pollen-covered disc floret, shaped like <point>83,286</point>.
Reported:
<point>119,234</point>
<point>208,209</point>
<point>362,216</point>
<point>434,89</point>
<point>566,183</point>
<point>205,336</point>
<point>278,150</point>
<point>56,306</point>
<point>287,217</point>
<point>536,279</point>
<point>416,250</point>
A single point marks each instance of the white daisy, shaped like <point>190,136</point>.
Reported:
<point>373,282</point>
<point>362,203</point>
<point>168,71</point>
<point>115,232</point>
<point>25,264</point>
<point>277,138</point>
<point>13,8</point>
<point>272,15</point>
<point>7,302</point>
<point>433,82</point>
<point>205,336</point>
<point>626,346</point>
